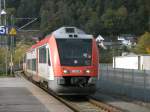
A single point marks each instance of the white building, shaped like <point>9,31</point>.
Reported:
<point>139,62</point>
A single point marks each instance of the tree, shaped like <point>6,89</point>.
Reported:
<point>143,45</point>
<point>29,8</point>
<point>102,16</point>
<point>12,3</point>
<point>20,51</point>
<point>98,16</point>
<point>2,55</point>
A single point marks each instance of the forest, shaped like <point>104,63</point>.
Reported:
<point>108,18</point>
<point>105,17</point>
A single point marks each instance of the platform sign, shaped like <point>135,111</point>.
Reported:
<point>8,30</point>
<point>13,31</point>
<point>3,30</point>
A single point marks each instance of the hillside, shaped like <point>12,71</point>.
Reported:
<point>106,17</point>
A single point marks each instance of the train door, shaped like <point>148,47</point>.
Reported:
<point>33,64</point>
<point>47,69</point>
<point>44,65</point>
<point>50,69</point>
<point>37,74</point>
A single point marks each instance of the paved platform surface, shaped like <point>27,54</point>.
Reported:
<point>20,95</point>
<point>127,106</point>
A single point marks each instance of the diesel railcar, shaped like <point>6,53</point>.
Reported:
<point>66,61</point>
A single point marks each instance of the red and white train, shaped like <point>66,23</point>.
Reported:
<point>66,61</point>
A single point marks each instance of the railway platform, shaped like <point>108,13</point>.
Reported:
<point>20,95</point>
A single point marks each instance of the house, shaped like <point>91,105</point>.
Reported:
<point>127,40</point>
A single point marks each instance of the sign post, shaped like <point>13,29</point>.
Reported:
<point>12,33</point>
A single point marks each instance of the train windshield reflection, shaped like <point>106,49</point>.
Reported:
<point>75,52</point>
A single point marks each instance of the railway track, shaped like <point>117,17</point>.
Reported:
<point>84,104</point>
<point>87,104</point>
<point>80,103</point>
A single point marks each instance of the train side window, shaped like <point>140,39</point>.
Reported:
<point>42,54</point>
<point>34,64</point>
<point>29,65</point>
<point>24,58</point>
<point>49,61</point>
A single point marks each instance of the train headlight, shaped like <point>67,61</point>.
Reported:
<point>66,71</point>
<point>87,71</point>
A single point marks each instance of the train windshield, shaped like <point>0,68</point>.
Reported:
<point>75,52</point>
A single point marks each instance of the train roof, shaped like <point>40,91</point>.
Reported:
<point>64,33</point>
<point>40,43</point>
<point>71,32</point>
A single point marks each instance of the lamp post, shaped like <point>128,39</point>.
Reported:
<point>0,11</point>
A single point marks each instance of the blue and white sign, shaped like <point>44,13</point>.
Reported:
<point>3,30</point>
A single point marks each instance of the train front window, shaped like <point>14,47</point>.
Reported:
<point>75,52</point>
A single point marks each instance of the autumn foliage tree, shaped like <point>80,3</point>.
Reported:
<point>143,45</point>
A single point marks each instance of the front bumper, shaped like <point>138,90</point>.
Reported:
<point>58,87</point>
